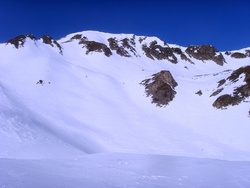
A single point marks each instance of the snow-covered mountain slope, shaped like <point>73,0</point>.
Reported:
<point>84,94</point>
<point>95,103</point>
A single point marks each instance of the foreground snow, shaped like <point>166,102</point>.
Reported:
<point>124,170</point>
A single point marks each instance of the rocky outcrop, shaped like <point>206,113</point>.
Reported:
<point>218,91</point>
<point>239,94</point>
<point>243,90</point>
<point>161,88</point>
<point>199,93</point>
<point>154,48</point>
<point>225,100</point>
<point>123,46</point>
<point>221,82</point>
<point>155,51</point>
<point>206,52</point>
<point>49,40</point>
<point>120,50</point>
<point>182,55</point>
<point>20,40</point>
<point>239,55</point>
<point>130,44</point>
<point>91,46</point>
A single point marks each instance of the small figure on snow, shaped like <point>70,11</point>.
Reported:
<point>40,82</point>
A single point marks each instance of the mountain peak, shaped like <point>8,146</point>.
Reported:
<point>130,45</point>
<point>49,40</point>
<point>20,40</point>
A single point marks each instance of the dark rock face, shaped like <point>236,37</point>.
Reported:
<point>156,51</point>
<point>78,37</point>
<point>161,88</point>
<point>20,40</point>
<point>120,50</point>
<point>205,52</point>
<point>244,90</point>
<point>239,94</point>
<point>49,40</point>
<point>221,82</point>
<point>217,92</point>
<point>238,55</point>
<point>182,55</point>
<point>225,100</point>
<point>121,47</point>
<point>142,39</point>
<point>125,44</point>
<point>236,74</point>
<point>247,53</point>
<point>199,93</point>
<point>130,44</point>
<point>92,46</point>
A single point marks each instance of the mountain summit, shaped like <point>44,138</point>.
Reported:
<point>127,45</point>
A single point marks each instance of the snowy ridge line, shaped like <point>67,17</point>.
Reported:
<point>129,45</point>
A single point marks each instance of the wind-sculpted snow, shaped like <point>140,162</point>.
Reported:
<point>58,108</point>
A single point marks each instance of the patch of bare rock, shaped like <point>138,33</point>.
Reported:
<point>160,88</point>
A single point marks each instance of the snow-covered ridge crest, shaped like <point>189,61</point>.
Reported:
<point>130,45</point>
<point>21,40</point>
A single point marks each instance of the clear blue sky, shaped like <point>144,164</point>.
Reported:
<point>224,24</point>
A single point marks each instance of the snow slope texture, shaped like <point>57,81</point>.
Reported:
<point>68,102</point>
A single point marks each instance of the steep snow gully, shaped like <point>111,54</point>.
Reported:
<point>96,109</point>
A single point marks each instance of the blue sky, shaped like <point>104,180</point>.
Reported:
<point>224,24</point>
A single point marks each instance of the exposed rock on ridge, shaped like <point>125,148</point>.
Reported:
<point>49,40</point>
<point>206,52</point>
<point>20,40</point>
<point>113,43</point>
<point>239,94</point>
<point>160,87</point>
<point>91,46</point>
<point>134,46</point>
<point>157,51</point>
<point>125,43</point>
<point>239,55</point>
